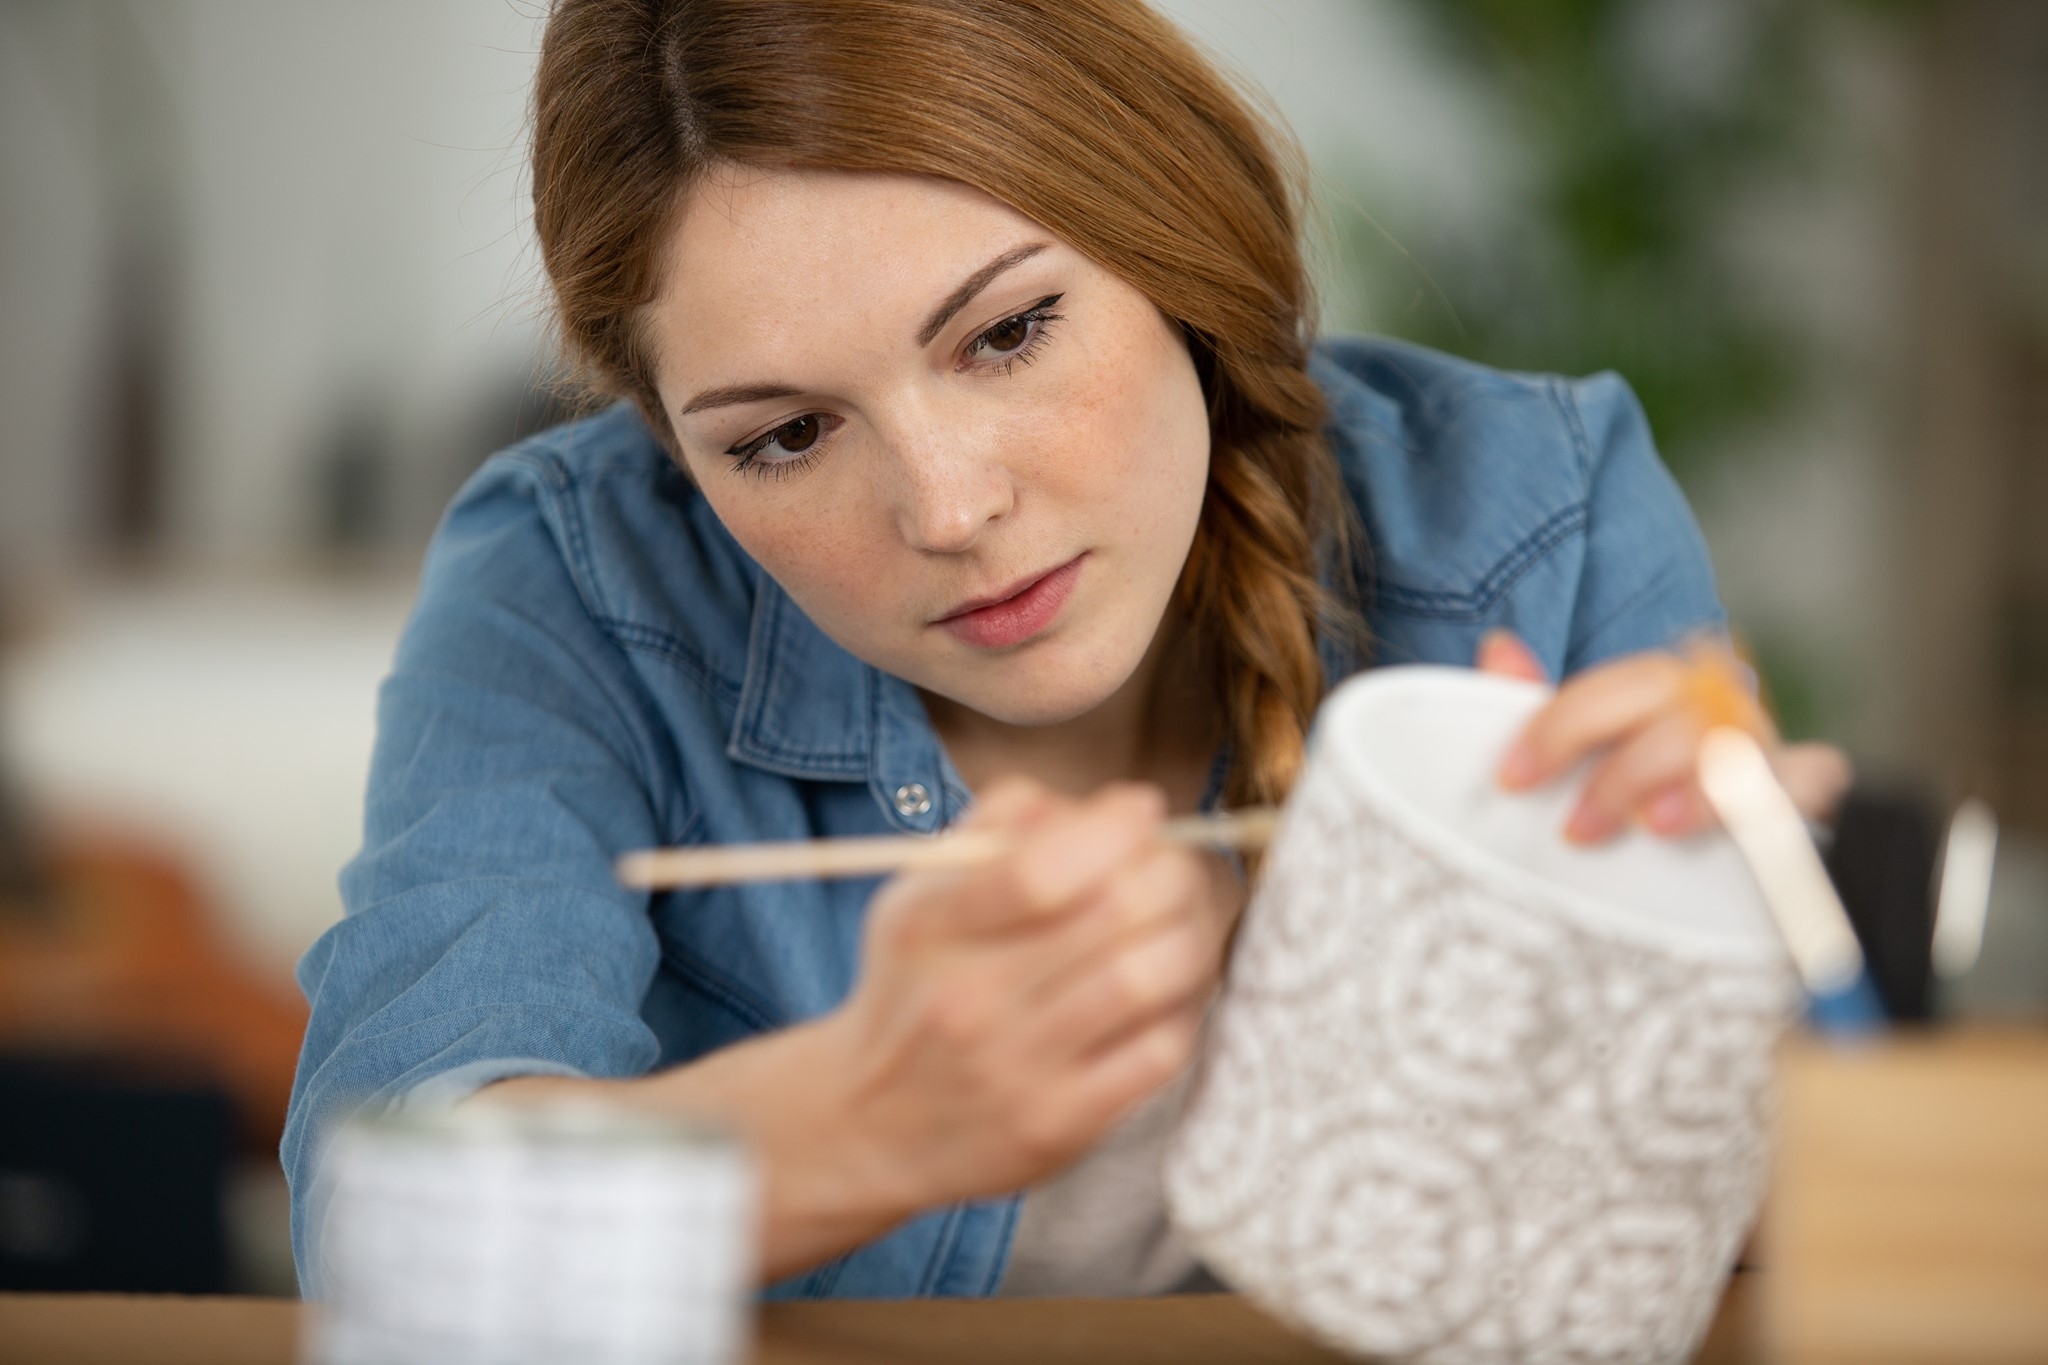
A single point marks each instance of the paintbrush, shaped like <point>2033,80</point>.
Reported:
<point>668,868</point>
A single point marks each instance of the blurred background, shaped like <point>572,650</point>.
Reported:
<point>268,293</point>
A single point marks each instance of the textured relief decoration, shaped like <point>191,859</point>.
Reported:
<point>1441,1125</point>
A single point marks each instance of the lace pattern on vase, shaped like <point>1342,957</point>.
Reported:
<point>1435,1124</point>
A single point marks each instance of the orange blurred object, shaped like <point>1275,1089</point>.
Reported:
<point>118,959</point>
<point>1719,694</point>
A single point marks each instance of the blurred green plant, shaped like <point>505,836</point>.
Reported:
<point>1633,121</point>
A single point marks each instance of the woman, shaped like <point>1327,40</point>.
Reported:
<point>974,451</point>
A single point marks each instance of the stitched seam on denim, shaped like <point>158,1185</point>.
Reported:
<point>683,801</point>
<point>556,485</point>
<point>1450,407</point>
<point>828,1274</point>
<point>747,1007</point>
<point>850,762</point>
<point>507,1007</point>
<point>1627,606</point>
<point>837,759</point>
<point>770,625</point>
<point>760,663</point>
<point>1567,401</point>
<point>671,650</point>
<point>877,780</point>
<point>559,486</point>
<point>480,880</point>
<point>1473,605</point>
<point>1005,1238</point>
<point>1440,408</point>
<point>688,833</point>
<point>949,1233</point>
<point>800,766</point>
<point>546,462</point>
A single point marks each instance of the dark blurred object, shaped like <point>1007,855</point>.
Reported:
<point>1882,860</point>
<point>119,958</point>
<point>21,883</point>
<point>111,1181</point>
<point>1973,588</point>
<point>22,888</point>
<point>354,472</point>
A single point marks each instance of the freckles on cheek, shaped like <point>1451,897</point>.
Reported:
<point>817,561</point>
<point>1149,410</point>
<point>1087,443</point>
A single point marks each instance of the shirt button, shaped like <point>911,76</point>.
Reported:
<point>913,799</point>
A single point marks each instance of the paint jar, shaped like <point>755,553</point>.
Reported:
<point>504,1235</point>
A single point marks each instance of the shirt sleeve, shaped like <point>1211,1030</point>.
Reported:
<point>484,935</point>
<point>1647,581</point>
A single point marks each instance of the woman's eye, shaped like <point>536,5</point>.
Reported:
<point>785,448</point>
<point>1007,335</point>
<point>797,436</point>
<point>1015,339</point>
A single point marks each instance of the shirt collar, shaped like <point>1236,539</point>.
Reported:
<point>809,709</point>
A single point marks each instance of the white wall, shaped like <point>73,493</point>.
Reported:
<point>337,190</point>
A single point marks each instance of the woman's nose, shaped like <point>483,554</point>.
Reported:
<point>950,490</point>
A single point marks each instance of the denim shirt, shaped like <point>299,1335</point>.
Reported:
<point>595,665</point>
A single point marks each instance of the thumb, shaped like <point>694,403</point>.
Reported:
<point>1502,652</point>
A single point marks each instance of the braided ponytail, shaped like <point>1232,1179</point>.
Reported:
<point>1272,529</point>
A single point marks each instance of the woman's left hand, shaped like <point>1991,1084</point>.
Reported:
<point>1640,715</point>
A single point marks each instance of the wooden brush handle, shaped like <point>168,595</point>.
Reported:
<point>669,868</point>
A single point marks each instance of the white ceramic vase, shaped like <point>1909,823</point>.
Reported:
<point>1472,1094</point>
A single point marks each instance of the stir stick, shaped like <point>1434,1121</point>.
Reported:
<point>670,868</point>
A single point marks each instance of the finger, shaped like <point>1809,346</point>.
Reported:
<point>1502,652</point>
<point>1079,846</point>
<point>1815,776</point>
<point>1011,805</point>
<point>1155,974</point>
<point>1593,709</point>
<point>1679,810</point>
<point>1065,847</point>
<point>1144,899</point>
<point>1660,755</point>
<point>1123,1072</point>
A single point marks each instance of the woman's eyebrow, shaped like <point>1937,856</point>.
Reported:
<point>730,394</point>
<point>973,285</point>
<point>737,393</point>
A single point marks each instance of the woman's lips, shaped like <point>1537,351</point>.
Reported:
<point>1018,617</point>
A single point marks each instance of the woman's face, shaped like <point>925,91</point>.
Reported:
<point>972,456</point>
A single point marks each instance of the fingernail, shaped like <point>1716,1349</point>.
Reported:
<point>1668,812</point>
<point>1588,826</point>
<point>1519,769</point>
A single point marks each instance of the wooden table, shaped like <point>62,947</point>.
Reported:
<point>1206,1329</point>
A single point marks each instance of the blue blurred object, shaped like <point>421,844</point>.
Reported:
<point>1852,1011</point>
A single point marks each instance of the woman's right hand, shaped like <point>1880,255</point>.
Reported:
<point>1007,1015</point>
